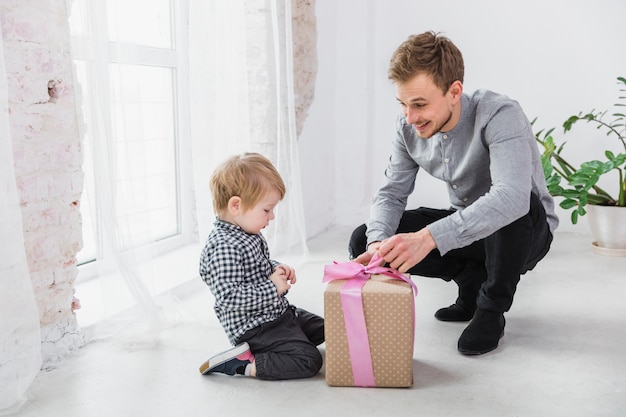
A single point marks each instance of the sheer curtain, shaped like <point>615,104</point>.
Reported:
<point>20,344</point>
<point>242,99</point>
<point>133,308</point>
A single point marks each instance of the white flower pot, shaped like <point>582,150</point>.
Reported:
<point>608,227</point>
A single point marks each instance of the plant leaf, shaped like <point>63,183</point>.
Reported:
<point>568,203</point>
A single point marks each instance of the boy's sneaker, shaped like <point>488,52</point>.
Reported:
<point>230,362</point>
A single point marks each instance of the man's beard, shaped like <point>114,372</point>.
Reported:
<point>436,130</point>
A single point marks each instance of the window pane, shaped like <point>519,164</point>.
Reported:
<point>145,152</point>
<point>79,15</point>
<point>140,22</point>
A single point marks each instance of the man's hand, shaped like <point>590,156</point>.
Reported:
<point>366,257</point>
<point>405,250</point>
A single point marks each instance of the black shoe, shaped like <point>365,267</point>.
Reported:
<point>455,312</point>
<point>483,333</point>
<point>465,305</point>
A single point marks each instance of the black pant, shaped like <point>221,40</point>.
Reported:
<point>496,261</point>
<point>286,347</point>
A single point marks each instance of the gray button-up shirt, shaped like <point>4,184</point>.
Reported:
<point>490,162</point>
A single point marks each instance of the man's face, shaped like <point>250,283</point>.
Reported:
<point>426,107</point>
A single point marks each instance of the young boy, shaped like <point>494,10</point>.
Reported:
<point>272,339</point>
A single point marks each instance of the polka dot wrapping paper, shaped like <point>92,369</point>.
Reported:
<point>388,306</point>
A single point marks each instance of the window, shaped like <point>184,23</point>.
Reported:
<point>132,55</point>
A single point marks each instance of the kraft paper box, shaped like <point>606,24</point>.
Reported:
<point>388,306</point>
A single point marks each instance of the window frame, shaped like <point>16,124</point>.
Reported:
<point>177,60</point>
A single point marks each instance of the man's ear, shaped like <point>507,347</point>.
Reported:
<point>456,90</point>
<point>234,205</point>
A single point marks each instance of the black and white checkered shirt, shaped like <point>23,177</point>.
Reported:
<point>236,267</point>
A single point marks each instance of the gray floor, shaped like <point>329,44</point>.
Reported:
<point>563,354</point>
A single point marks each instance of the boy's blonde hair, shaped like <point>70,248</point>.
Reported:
<point>248,176</point>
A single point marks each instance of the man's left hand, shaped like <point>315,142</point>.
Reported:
<point>405,250</point>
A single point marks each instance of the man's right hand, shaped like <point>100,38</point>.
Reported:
<point>366,257</point>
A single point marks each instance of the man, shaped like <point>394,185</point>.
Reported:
<point>502,217</point>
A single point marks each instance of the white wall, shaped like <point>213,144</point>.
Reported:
<point>555,57</point>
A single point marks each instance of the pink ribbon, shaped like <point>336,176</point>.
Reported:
<point>353,314</point>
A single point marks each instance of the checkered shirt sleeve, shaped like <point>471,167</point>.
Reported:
<point>236,267</point>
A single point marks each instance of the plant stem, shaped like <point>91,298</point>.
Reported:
<point>622,190</point>
<point>611,130</point>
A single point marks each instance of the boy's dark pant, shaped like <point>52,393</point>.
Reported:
<point>494,263</point>
<point>286,347</point>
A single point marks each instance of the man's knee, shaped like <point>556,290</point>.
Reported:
<point>358,241</point>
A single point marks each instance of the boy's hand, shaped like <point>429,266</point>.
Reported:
<point>289,272</point>
<point>283,277</point>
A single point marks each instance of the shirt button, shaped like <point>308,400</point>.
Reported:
<point>446,160</point>
<point>455,186</point>
<point>465,199</point>
<point>445,136</point>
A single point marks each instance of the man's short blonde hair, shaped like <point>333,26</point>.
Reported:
<point>248,176</point>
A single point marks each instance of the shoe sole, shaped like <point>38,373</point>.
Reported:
<point>456,319</point>
<point>223,357</point>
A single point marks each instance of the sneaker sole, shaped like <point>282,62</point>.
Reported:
<point>223,357</point>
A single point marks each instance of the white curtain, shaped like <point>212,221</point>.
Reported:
<point>20,343</point>
<point>131,306</point>
<point>242,99</point>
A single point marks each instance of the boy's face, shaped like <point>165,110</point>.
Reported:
<point>256,218</point>
<point>426,107</point>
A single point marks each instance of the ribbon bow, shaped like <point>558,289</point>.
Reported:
<point>353,270</point>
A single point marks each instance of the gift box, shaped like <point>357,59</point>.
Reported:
<point>369,323</point>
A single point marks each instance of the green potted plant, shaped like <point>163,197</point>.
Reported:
<point>578,185</point>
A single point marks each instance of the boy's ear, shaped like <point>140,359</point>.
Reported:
<point>234,205</point>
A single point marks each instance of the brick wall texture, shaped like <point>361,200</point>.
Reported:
<point>47,159</point>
